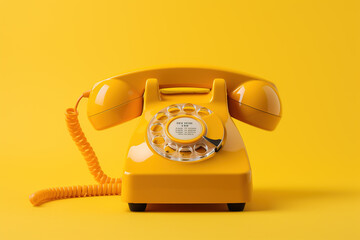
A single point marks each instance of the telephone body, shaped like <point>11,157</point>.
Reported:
<point>186,147</point>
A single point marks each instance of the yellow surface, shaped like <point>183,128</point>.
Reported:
<point>188,90</point>
<point>305,173</point>
<point>105,105</point>
<point>223,178</point>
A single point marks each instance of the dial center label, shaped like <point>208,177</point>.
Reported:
<point>185,128</point>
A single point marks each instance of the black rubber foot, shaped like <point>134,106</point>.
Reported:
<point>137,207</point>
<point>236,207</point>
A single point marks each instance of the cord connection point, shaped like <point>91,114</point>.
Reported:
<point>86,94</point>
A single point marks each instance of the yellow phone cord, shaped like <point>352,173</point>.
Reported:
<point>106,186</point>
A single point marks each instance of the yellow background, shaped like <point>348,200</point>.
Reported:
<point>306,172</point>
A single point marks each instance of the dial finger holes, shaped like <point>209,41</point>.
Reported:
<point>201,148</point>
<point>175,132</point>
<point>173,109</point>
<point>158,140</point>
<point>161,116</point>
<point>203,112</point>
<point>189,108</point>
<point>170,148</point>
<point>185,151</point>
<point>156,127</point>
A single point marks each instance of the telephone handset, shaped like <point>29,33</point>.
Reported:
<point>186,148</point>
<point>259,106</point>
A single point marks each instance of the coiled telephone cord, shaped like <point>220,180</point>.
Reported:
<point>106,186</point>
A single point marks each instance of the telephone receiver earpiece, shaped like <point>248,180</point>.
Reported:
<point>257,103</point>
<point>120,99</point>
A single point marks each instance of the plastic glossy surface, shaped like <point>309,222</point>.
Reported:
<point>151,178</point>
<point>110,98</point>
<point>199,128</point>
<point>256,103</point>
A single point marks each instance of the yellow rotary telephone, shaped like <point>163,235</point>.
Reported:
<point>186,148</point>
